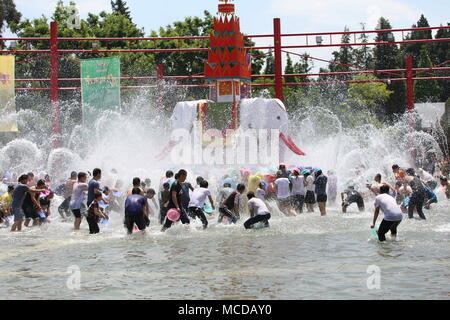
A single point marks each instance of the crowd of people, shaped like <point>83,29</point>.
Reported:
<point>253,195</point>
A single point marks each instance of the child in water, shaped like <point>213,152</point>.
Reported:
<point>45,202</point>
<point>164,205</point>
<point>95,212</point>
<point>5,204</point>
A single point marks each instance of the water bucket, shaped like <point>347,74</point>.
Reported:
<point>207,208</point>
<point>173,215</point>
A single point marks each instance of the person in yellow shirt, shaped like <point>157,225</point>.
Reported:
<point>5,203</point>
<point>254,181</point>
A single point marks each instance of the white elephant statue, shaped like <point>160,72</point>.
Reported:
<point>255,113</point>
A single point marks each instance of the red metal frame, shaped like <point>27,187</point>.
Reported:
<point>278,59</point>
<point>55,53</point>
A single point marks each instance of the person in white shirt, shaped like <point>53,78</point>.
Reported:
<point>260,192</point>
<point>310,198</point>
<point>197,202</point>
<point>79,192</point>
<point>332,186</point>
<point>258,211</point>
<point>283,190</point>
<point>392,214</point>
<point>298,191</point>
<point>427,179</point>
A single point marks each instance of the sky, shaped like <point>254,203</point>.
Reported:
<point>297,16</point>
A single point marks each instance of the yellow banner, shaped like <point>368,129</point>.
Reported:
<point>7,94</point>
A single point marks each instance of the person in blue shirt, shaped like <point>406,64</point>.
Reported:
<point>94,185</point>
<point>230,180</point>
<point>430,197</point>
<point>136,211</point>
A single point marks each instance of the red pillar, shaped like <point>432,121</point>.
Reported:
<point>160,71</point>
<point>278,59</point>
<point>409,84</point>
<point>56,130</point>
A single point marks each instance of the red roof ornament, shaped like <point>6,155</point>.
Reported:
<point>226,8</point>
<point>227,56</point>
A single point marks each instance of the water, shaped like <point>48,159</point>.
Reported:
<point>305,257</point>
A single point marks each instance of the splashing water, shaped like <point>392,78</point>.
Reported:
<point>306,257</point>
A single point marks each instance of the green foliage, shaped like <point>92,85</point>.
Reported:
<point>440,53</point>
<point>371,94</point>
<point>387,56</point>
<point>9,15</point>
<point>363,55</point>
<point>414,49</point>
<point>120,7</point>
<point>342,58</point>
<point>289,69</point>
<point>426,91</point>
<point>374,98</point>
<point>270,64</point>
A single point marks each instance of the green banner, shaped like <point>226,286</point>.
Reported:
<point>100,85</point>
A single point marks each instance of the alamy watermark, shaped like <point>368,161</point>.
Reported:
<point>74,20</point>
<point>232,147</point>
<point>74,280</point>
<point>374,280</point>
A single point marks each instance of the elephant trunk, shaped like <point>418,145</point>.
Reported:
<point>291,144</point>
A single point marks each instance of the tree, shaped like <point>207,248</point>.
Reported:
<point>289,69</point>
<point>102,25</point>
<point>120,7</point>
<point>304,65</point>
<point>386,56</point>
<point>426,90</point>
<point>342,58</point>
<point>270,64</point>
<point>370,94</point>
<point>439,54</point>
<point>9,15</point>
<point>414,49</point>
<point>362,56</point>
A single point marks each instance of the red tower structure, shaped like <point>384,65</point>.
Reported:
<point>229,66</point>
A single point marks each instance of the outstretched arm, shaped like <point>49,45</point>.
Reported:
<point>155,203</point>
<point>33,199</point>
<point>37,190</point>
<point>375,217</point>
<point>212,202</point>
<point>145,208</point>
<point>175,200</point>
<point>99,213</point>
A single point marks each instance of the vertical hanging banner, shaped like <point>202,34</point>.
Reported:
<point>7,94</point>
<point>100,85</point>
